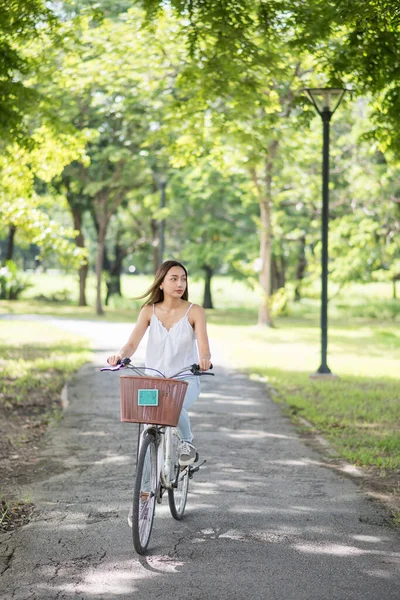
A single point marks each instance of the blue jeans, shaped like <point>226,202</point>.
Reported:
<point>192,393</point>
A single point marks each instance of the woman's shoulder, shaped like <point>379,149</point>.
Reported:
<point>196,309</point>
<point>147,311</point>
<point>147,308</point>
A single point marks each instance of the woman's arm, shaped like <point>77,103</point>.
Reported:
<point>135,338</point>
<point>200,327</point>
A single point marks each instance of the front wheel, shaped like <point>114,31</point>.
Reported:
<point>177,494</point>
<point>145,493</point>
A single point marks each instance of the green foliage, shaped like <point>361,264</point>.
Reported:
<point>21,23</point>
<point>211,219</point>
<point>280,303</point>
<point>373,309</point>
<point>21,204</point>
<point>12,281</point>
<point>37,228</point>
<point>60,296</point>
<point>209,95</point>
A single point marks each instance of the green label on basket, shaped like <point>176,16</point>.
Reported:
<point>147,397</point>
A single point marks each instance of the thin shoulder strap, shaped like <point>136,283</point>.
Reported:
<point>188,310</point>
<point>153,309</point>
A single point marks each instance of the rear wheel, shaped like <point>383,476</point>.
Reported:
<point>145,493</point>
<point>177,496</point>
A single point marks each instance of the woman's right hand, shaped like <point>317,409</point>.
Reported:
<point>113,359</point>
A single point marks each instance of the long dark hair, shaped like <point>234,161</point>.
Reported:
<point>154,294</point>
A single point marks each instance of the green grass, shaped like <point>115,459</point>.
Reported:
<point>360,416</point>
<point>372,349</point>
<point>37,360</point>
<point>358,413</point>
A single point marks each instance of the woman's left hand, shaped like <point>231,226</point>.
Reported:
<point>204,364</point>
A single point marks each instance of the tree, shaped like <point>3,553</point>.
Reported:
<point>20,203</point>
<point>106,86</point>
<point>129,237</point>
<point>210,223</point>
<point>251,125</point>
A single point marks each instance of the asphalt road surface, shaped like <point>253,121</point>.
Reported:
<point>265,518</point>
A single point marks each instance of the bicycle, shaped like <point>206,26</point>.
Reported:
<point>157,456</point>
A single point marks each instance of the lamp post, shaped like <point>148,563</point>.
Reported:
<point>325,101</point>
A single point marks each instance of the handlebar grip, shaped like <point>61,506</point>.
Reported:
<point>197,367</point>
<point>122,361</point>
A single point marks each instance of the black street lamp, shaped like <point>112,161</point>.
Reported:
<point>325,101</point>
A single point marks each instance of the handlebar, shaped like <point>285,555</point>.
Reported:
<point>126,362</point>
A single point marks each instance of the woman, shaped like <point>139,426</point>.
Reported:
<point>175,326</point>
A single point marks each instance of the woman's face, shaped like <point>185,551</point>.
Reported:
<point>174,283</point>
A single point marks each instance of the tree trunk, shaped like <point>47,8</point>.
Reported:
<point>265,198</point>
<point>10,243</point>
<point>95,217</point>
<point>207,300</point>
<point>99,265</point>
<point>264,311</point>
<point>282,279</point>
<point>114,274</point>
<point>83,272</point>
<point>106,260</point>
<point>80,242</point>
<point>278,278</point>
<point>301,269</point>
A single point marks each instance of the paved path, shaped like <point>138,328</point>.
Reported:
<point>265,520</point>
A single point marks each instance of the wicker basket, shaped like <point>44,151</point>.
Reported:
<point>171,393</point>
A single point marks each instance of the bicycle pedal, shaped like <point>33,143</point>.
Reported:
<point>194,469</point>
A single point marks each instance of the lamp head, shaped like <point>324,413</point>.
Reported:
<point>325,100</point>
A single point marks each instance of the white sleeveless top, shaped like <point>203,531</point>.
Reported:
<point>171,350</point>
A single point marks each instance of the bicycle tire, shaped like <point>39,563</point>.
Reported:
<point>145,494</point>
<point>177,496</point>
